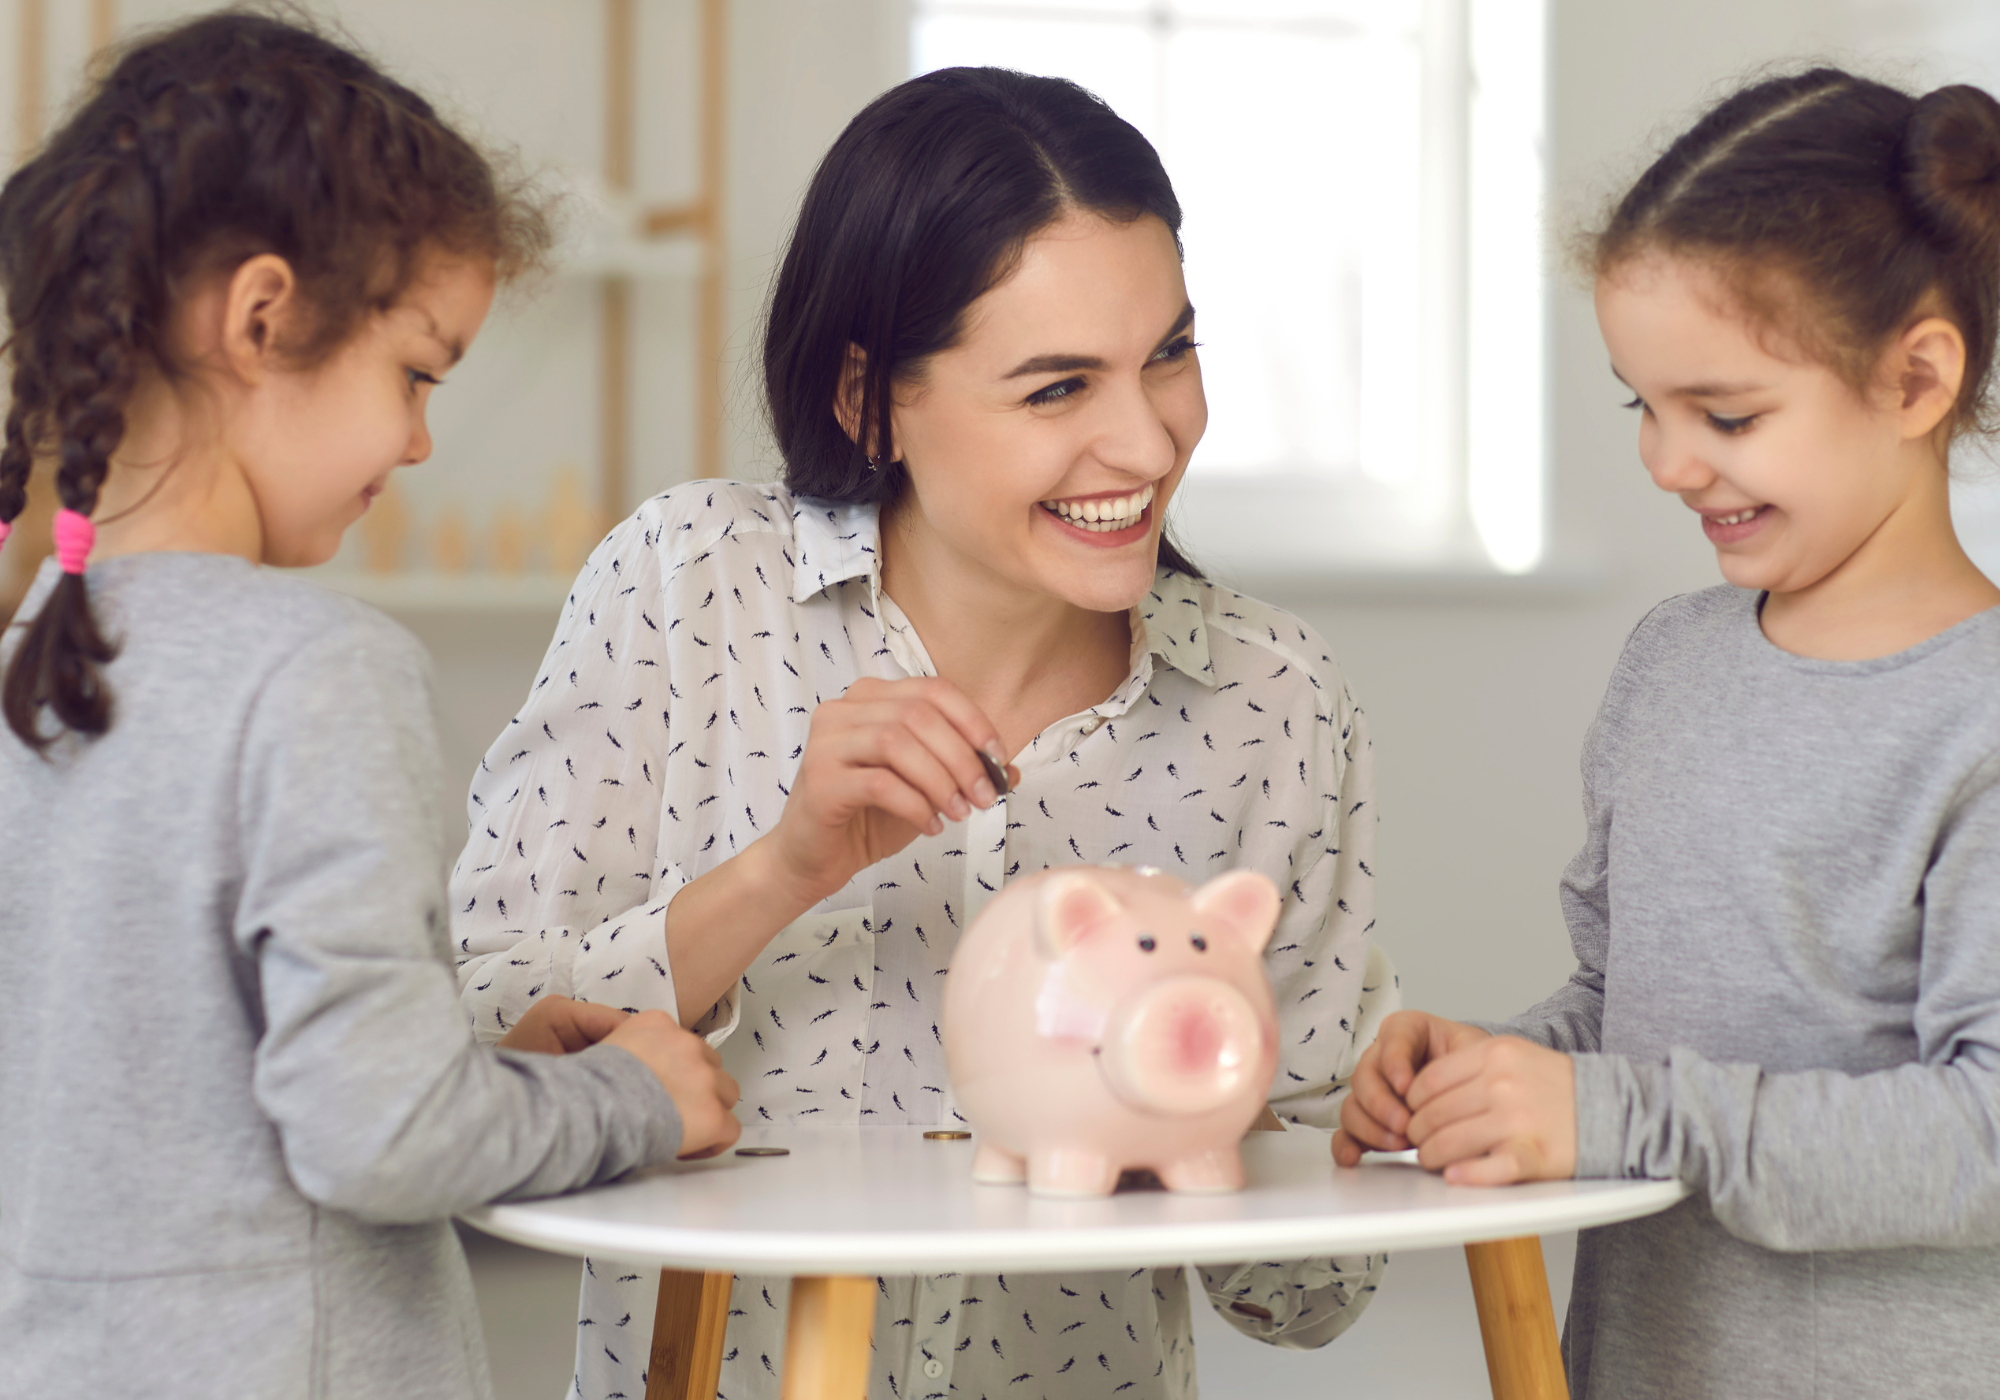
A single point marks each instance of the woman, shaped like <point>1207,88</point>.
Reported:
<point>748,787</point>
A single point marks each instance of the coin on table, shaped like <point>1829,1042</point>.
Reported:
<point>763,1151</point>
<point>947,1135</point>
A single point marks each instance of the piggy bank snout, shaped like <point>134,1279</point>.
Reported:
<point>1183,1046</point>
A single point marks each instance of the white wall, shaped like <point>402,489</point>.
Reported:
<point>1478,703</point>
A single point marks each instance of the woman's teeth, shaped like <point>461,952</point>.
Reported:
<point>1101,516</point>
<point>1737,519</point>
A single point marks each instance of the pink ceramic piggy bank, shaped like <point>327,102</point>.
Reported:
<point>1099,1018</point>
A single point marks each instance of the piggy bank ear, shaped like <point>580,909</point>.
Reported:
<point>1243,899</point>
<point>1070,908</point>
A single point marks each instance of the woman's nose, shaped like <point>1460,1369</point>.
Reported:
<point>1135,438</point>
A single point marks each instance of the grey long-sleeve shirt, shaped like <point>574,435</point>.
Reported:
<point>1786,916</point>
<point>238,1100</point>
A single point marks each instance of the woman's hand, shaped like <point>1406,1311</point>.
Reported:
<point>1375,1117</point>
<point>883,762</point>
<point>1497,1110</point>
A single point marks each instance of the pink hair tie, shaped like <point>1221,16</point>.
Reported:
<point>74,537</point>
<point>6,529</point>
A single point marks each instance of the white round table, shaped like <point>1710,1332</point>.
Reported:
<point>848,1203</point>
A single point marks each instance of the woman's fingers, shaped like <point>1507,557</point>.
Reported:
<point>970,722</point>
<point>921,747</point>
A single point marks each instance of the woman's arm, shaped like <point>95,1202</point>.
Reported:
<point>1333,988</point>
<point>560,878</point>
<point>566,884</point>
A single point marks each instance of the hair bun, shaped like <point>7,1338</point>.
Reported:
<point>1951,167</point>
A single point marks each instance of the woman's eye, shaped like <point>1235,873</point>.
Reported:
<point>1637,402</point>
<point>1730,426</point>
<point>417,376</point>
<point>1056,392</point>
<point>1175,349</point>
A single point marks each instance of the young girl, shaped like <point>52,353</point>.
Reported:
<point>1788,990</point>
<point>240,1100</point>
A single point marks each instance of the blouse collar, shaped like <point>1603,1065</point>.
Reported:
<point>838,541</point>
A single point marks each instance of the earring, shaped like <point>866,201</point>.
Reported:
<point>874,464</point>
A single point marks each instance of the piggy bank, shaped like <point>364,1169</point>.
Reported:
<point>1100,1018</point>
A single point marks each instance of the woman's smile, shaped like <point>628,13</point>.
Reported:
<point>1104,520</point>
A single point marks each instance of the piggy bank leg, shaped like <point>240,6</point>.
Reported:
<point>1071,1171</point>
<point>1214,1172</point>
<point>995,1166</point>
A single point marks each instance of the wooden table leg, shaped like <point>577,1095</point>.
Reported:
<point>829,1339</point>
<point>1517,1320</point>
<point>687,1336</point>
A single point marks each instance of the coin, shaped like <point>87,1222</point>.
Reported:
<point>947,1135</point>
<point>995,774</point>
<point>763,1151</point>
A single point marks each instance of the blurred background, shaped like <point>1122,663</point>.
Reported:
<point>1415,442</point>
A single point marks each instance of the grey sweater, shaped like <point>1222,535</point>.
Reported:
<point>1786,918</point>
<point>238,1100</point>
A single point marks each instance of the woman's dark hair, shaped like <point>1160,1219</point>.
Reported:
<point>924,204</point>
<point>1838,210</point>
<point>205,145</point>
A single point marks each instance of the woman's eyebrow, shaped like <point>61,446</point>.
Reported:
<point>1064,364</point>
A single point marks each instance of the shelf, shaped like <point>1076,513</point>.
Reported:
<point>675,255</point>
<point>440,592</point>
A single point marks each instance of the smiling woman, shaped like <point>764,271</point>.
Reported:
<point>752,785</point>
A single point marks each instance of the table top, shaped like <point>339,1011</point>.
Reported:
<point>855,1200</point>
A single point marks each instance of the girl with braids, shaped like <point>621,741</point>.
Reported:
<point>1788,984</point>
<point>240,1100</point>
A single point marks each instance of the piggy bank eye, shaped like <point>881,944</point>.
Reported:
<point>1146,943</point>
<point>1200,943</point>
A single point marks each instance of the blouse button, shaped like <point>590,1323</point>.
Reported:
<point>933,1368</point>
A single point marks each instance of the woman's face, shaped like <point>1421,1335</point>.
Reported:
<point>1042,449</point>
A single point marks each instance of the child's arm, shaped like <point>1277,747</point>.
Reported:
<point>1827,1160</point>
<point>382,1103</point>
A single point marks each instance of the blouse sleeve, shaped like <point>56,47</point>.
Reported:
<point>1333,989</point>
<point>559,888</point>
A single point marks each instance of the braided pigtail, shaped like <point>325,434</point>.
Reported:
<point>88,367</point>
<point>232,136</point>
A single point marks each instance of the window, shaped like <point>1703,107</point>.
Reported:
<point>1362,185</point>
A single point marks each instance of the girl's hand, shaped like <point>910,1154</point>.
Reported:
<point>558,1026</point>
<point>692,1074</point>
<point>883,762</point>
<point>1495,1111</point>
<point>1375,1117</point>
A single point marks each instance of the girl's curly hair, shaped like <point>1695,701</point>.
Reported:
<point>209,143</point>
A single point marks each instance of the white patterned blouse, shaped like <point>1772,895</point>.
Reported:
<point>659,739</point>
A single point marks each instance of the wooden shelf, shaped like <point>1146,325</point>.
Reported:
<point>471,592</point>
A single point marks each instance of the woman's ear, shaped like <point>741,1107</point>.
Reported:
<point>847,397</point>
<point>848,402</point>
<point>262,297</point>
<point>1927,367</point>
